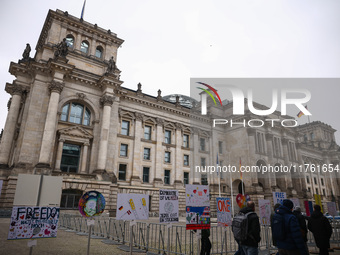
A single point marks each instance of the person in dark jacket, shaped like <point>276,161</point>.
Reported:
<point>321,229</point>
<point>276,206</point>
<point>250,245</point>
<point>302,223</point>
<point>293,243</point>
<point>205,242</point>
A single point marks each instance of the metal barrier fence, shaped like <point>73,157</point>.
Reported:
<point>156,238</point>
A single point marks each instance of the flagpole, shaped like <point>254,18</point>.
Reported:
<point>241,175</point>
<point>218,176</point>
<point>231,193</point>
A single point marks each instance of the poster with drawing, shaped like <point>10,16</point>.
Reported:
<point>265,211</point>
<point>279,197</point>
<point>296,202</point>
<point>168,206</point>
<point>197,207</point>
<point>223,211</point>
<point>33,222</point>
<point>132,207</point>
<point>331,208</point>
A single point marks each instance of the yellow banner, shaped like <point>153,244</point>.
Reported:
<point>318,201</point>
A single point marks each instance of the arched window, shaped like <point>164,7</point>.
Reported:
<point>70,198</point>
<point>76,113</point>
<point>99,52</point>
<point>84,47</point>
<point>70,41</point>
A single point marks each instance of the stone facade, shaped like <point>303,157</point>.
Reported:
<point>131,142</point>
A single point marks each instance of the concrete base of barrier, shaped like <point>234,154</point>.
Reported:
<point>97,237</point>
<point>70,230</point>
<point>111,242</point>
<point>127,248</point>
<point>82,234</point>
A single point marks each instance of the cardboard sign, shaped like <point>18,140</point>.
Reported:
<point>132,207</point>
<point>295,201</point>
<point>265,211</point>
<point>168,206</point>
<point>331,208</point>
<point>33,222</point>
<point>223,211</point>
<point>279,197</point>
<point>197,207</point>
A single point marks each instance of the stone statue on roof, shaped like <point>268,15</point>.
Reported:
<point>62,49</point>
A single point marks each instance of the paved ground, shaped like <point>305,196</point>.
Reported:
<point>66,243</point>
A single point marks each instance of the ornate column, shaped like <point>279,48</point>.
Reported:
<point>158,180</point>
<point>270,152</point>
<point>10,126</point>
<point>50,124</point>
<point>84,157</point>
<point>59,153</point>
<point>178,175</point>
<point>107,102</point>
<point>137,154</point>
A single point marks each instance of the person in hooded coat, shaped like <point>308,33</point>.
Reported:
<point>321,229</point>
<point>293,243</point>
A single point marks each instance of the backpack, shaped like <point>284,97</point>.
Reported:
<point>240,226</point>
<point>278,227</point>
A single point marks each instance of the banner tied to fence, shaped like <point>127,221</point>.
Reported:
<point>168,206</point>
<point>223,211</point>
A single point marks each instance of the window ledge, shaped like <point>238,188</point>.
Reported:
<point>126,136</point>
<point>148,141</point>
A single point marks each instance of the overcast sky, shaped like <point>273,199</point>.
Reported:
<point>167,42</point>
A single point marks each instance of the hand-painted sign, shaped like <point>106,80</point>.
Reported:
<point>331,208</point>
<point>295,201</point>
<point>132,207</point>
<point>168,206</point>
<point>223,211</point>
<point>279,197</point>
<point>265,211</point>
<point>91,204</point>
<point>33,222</point>
<point>197,207</point>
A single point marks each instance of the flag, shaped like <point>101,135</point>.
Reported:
<point>83,10</point>
<point>301,113</point>
<point>241,176</point>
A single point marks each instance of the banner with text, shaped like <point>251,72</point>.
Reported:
<point>168,206</point>
<point>223,211</point>
<point>33,222</point>
<point>197,207</point>
<point>265,211</point>
<point>279,197</point>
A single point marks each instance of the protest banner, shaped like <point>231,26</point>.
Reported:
<point>33,222</point>
<point>132,206</point>
<point>331,208</point>
<point>168,206</point>
<point>197,207</point>
<point>91,204</point>
<point>265,211</point>
<point>318,201</point>
<point>279,197</point>
<point>223,211</point>
<point>295,201</point>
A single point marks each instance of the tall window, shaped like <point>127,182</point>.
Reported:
<point>186,141</point>
<point>147,132</point>
<point>70,41</point>
<point>202,144</point>
<point>315,181</point>
<point>70,198</point>
<point>76,113</point>
<point>186,160</point>
<point>260,143</point>
<point>291,151</point>
<point>99,52</point>
<point>220,147</point>
<point>166,176</point>
<point>204,179</point>
<point>167,136</point>
<point>124,150</point>
<point>146,171</point>
<point>312,136</point>
<point>322,183</point>
<point>203,162</point>
<point>167,157</point>
<point>84,47</point>
<point>122,172</point>
<point>186,178</point>
<point>277,147</point>
<point>307,178</point>
<point>125,127</point>
<point>147,153</point>
<point>70,158</point>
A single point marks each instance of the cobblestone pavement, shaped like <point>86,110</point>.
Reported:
<point>66,243</point>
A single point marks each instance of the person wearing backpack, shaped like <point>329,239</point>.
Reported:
<point>302,223</point>
<point>321,229</point>
<point>246,229</point>
<point>286,231</point>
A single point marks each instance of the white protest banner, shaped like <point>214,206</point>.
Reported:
<point>279,197</point>
<point>33,222</point>
<point>295,201</point>
<point>197,207</point>
<point>331,207</point>
<point>265,211</point>
<point>168,206</point>
<point>223,211</point>
<point>132,207</point>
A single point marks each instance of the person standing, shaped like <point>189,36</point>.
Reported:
<point>286,231</point>
<point>250,244</point>
<point>321,229</point>
<point>205,242</point>
<point>302,223</point>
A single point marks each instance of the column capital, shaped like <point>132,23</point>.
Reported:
<point>139,116</point>
<point>86,143</point>
<point>106,100</point>
<point>179,126</point>
<point>14,89</point>
<point>62,140</point>
<point>160,121</point>
<point>56,86</point>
